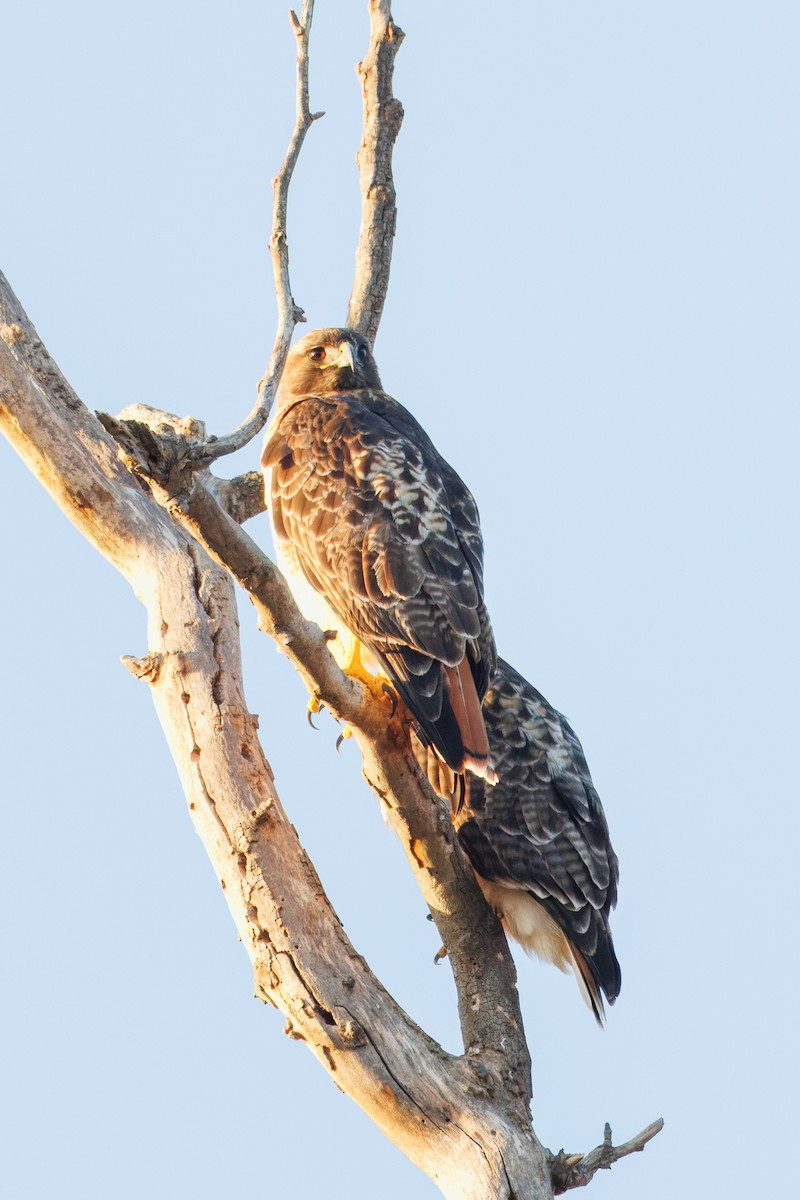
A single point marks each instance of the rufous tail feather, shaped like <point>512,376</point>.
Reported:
<point>469,718</point>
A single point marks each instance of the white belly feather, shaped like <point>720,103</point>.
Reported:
<point>528,923</point>
<point>313,605</point>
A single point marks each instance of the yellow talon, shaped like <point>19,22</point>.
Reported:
<point>357,663</point>
<point>315,705</point>
<point>346,733</point>
<point>353,662</point>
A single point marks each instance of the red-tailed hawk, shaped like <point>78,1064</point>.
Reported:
<point>380,542</point>
<point>538,840</point>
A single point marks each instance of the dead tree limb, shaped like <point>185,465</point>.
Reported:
<point>482,965</point>
<point>469,1139</point>
<point>576,1170</point>
<point>148,502</point>
<point>383,116</point>
<point>438,1108</point>
<point>289,313</point>
<point>242,498</point>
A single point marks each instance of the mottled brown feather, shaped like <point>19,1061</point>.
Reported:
<point>398,555</point>
<point>539,836</point>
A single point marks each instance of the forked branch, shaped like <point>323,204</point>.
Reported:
<point>464,1120</point>
<point>570,1171</point>
<point>383,116</point>
<point>153,443</point>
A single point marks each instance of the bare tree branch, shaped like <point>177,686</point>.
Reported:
<point>383,115</point>
<point>242,498</point>
<point>459,1119</point>
<point>570,1171</point>
<point>289,314</point>
<point>153,443</point>
<point>149,503</point>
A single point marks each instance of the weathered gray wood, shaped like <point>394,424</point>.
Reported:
<point>176,537</point>
<point>570,1171</point>
<point>482,964</point>
<point>383,116</point>
<point>456,1117</point>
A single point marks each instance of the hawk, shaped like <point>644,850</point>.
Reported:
<point>538,840</point>
<point>380,542</point>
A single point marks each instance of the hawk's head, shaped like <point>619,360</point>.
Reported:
<point>327,361</point>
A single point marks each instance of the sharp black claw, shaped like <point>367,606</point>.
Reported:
<point>310,719</point>
<point>440,955</point>
<point>389,690</point>
<point>339,741</point>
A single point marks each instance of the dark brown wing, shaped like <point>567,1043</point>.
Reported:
<point>388,533</point>
<point>542,828</point>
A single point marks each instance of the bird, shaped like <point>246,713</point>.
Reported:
<point>538,841</point>
<point>380,542</point>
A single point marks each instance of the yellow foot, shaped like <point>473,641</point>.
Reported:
<point>440,955</point>
<point>343,736</point>
<point>382,691</point>
<point>353,661</point>
<point>354,664</point>
<point>315,705</point>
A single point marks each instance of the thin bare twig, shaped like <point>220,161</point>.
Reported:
<point>570,1171</point>
<point>289,314</point>
<point>383,115</point>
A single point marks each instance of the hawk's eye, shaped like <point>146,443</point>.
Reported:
<point>362,352</point>
<point>317,354</point>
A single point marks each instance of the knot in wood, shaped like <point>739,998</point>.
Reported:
<point>148,668</point>
<point>351,1034</point>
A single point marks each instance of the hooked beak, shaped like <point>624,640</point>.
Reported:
<point>345,358</point>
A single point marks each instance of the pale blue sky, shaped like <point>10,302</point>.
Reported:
<point>594,311</point>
